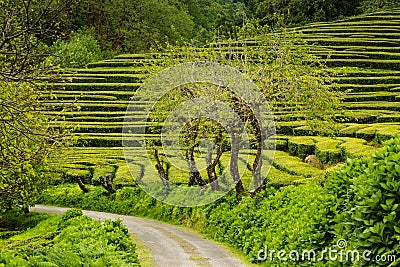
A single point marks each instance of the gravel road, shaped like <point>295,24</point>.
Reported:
<point>170,245</point>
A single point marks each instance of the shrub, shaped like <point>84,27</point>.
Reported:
<point>281,219</point>
<point>70,240</point>
<point>328,152</point>
<point>72,213</point>
<point>301,146</point>
<point>368,192</point>
<point>77,52</point>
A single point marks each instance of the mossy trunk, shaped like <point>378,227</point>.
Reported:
<point>234,166</point>
<point>211,165</point>
<point>160,169</point>
<point>81,184</point>
<point>257,164</point>
<point>194,174</point>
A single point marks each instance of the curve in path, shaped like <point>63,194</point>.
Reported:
<point>170,245</point>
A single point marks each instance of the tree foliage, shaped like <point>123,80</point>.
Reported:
<point>134,26</point>
<point>131,26</point>
<point>26,134</point>
<point>77,52</point>
<point>26,140</point>
<point>285,72</point>
<point>275,12</point>
<point>27,26</point>
<point>301,11</point>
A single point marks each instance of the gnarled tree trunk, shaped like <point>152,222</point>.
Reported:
<point>81,184</point>
<point>257,164</point>
<point>160,169</point>
<point>211,164</point>
<point>107,184</point>
<point>234,167</point>
<point>194,174</point>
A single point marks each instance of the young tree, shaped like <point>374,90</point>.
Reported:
<point>26,135</point>
<point>27,138</point>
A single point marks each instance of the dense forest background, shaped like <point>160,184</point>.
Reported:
<point>131,26</point>
<point>121,26</point>
<point>76,32</point>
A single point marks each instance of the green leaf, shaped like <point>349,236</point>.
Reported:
<point>390,217</point>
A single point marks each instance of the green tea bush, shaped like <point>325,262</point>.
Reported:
<point>17,220</point>
<point>293,217</point>
<point>287,219</point>
<point>368,194</point>
<point>70,240</point>
<point>301,146</point>
<point>359,203</point>
<point>328,152</point>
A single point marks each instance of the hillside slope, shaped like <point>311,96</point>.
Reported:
<point>364,50</point>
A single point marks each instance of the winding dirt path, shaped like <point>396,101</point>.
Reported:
<point>170,245</point>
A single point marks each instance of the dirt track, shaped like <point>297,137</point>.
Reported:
<point>170,245</point>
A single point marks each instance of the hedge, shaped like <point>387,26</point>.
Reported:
<point>107,78</point>
<point>377,105</point>
<point>122,63</point>
<point>365,63</point>
<point>103,170</point>
<point>77,96</point>
<point>368,79</point>
<point>389,118</point>
<point>358,116</point>
<point>373,96</point>
<point>365,87</point>
<point>95,86</point>
<point>327,150</point>
<point>81,79</point>
<point>123,176</point>
<point>282,178</point>
<point>84,175</point>
<point>355,147</point>
<point>295,166</point>
<point>301,146</point>
<point>103,70</point>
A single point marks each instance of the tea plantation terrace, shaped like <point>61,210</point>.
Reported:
<point>363,50</point>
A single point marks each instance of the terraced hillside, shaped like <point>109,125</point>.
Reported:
<point>364,50</point>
